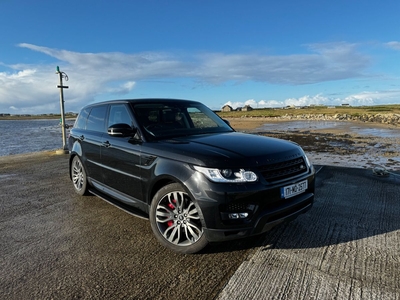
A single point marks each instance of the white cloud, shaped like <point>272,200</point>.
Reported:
<point>373,98</point>
<point>308,100</point>
<point>327,62</point>
<point>32,88</point>
<point>122,89</point>
<point>394,45</point>
<point>270,103</point>
<point>234,104</point>
<point>251,102</point>
<point>359,99</point>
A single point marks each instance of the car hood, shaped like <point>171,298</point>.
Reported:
<point>233,148</point>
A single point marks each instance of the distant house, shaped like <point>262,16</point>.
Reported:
<point>247,108</point>
<point>227,108</point>
<point>345,104</point>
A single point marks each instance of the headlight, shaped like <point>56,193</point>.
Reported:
<point>227,175</point>
<point>307,161</point>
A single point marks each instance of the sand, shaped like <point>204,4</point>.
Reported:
<point>347,144</point>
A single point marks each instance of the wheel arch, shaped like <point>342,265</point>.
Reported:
<point>169,179</point>
<point>75,151</point>
<point>167,171</point>
<point>159,184</point>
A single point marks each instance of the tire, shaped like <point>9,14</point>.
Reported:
<point>78,176</point>
<point>175,220</point>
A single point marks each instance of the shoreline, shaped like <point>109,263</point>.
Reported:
<point>337,146</point>
<point>245,124</point>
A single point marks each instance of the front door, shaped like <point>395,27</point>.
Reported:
<point>121,157</point>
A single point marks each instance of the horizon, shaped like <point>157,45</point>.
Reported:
<point>311,106</point>
<point>218,53</point>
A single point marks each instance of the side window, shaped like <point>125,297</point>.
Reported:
<point>80,122</point>
<point>119,114</point>
<point>97,118</point>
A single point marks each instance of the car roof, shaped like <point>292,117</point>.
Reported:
<point>142,100</point>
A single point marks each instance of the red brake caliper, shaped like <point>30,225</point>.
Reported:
<point>171,206</point>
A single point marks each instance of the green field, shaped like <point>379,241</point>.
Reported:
<point>330,111</point>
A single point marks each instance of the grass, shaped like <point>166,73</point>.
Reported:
<point>272,112</point>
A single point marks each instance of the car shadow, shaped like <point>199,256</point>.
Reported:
<point>350,204</point>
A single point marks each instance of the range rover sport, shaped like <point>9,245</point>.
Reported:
<point>180,165</point>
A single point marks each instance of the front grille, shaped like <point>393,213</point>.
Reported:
<point>235,207</point>
<point>284,170</point>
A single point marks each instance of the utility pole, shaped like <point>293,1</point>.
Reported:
<point>62,75</point>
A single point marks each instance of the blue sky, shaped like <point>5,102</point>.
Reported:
<point>262,53</point>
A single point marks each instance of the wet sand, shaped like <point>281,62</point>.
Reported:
<point>347,144</point>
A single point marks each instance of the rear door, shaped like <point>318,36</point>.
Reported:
<point>90,138</point>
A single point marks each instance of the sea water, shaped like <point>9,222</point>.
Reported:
<point>364,129</point>
<point>24,136</point>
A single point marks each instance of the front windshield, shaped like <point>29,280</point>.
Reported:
<point>172,119</point>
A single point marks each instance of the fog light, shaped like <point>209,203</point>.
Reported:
<point>242,215</point>
<point>234,216</point>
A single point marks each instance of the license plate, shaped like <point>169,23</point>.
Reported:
<point>293,189</point>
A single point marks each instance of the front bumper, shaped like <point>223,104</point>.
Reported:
<point>265,221</point>
<point>264,204</point>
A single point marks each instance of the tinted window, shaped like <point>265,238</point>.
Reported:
<point>165,120</point>
<point>82,118</point>
<point>97,118</point>
<point>200,119</point>
<point>119,115</point>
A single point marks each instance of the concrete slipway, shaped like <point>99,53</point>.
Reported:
<point>346,247</point>
<point>57,245</point>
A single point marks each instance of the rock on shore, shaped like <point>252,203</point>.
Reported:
<point>392,119</point>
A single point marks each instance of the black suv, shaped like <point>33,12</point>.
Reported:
<point>179,164</point>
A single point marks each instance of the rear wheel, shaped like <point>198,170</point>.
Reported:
<point>175,220</point>
<point>78,176</point>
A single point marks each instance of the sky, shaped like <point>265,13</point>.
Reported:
<point>258,53</point>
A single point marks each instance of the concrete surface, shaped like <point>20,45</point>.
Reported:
<point>57,245</point>
<point>346,247</point>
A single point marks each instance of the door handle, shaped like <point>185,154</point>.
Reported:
<point>106,144</point>
<point>81,138</point>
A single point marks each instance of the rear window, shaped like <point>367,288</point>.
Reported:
<point>80,122</point>
<point>96,120</point>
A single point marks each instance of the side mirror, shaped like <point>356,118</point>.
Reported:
<point>226,121</point>
<point>121,130</point>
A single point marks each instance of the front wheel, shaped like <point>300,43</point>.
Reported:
<point>175,220</point>
<point>78,176</point>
